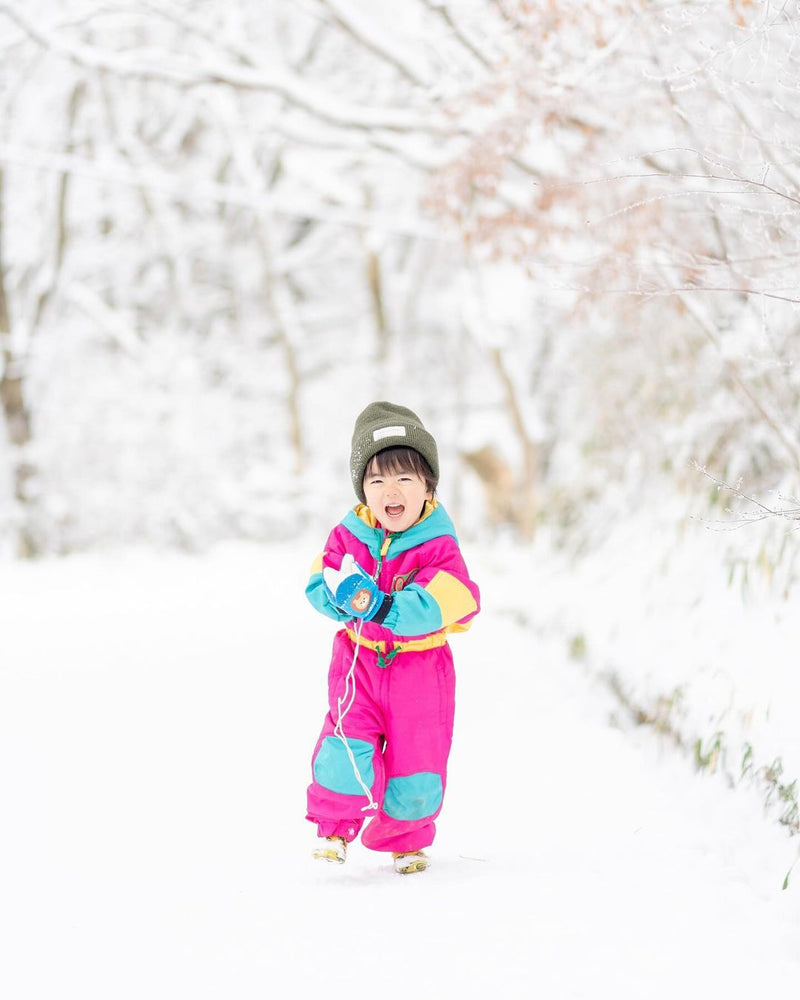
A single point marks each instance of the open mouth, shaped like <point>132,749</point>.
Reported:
<point>395,510</point>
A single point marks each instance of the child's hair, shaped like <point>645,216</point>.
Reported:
<point>391,461</point>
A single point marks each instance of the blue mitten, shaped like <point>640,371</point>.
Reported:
<point>353,590</point>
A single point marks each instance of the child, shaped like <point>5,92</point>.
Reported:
<point>393,574</point>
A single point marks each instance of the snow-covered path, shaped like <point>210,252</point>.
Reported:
<point>156,718</point>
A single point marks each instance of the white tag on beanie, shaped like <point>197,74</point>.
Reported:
<point>388,432</point>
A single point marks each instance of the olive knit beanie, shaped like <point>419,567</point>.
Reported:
<point>386,425</point>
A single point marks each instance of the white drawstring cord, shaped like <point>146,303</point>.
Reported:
<point>339,731</point>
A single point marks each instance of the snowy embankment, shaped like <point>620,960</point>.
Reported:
<point>709,661</point>
<point>156,721</point>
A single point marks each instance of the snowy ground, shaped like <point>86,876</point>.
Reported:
<point>157,714</point>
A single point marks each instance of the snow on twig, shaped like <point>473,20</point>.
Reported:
<point>764,510</point>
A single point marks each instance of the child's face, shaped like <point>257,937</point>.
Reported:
<point>395,498</point>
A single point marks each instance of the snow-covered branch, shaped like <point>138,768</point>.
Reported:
<point>200,190</point>
<point>179,71</point>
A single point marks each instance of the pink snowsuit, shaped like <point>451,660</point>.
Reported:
<point>400,725</point>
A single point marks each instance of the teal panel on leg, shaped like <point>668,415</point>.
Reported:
<point>334,771</point>
<point>413,797</point>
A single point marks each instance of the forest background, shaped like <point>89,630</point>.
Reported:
<point>566,233</point>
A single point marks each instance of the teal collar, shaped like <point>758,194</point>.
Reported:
<point>360,522</point>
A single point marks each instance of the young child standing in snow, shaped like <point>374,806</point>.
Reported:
<point>393,575</point>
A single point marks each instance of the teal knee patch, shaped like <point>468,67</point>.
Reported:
<point>333,770</point>
<point>414,797</point>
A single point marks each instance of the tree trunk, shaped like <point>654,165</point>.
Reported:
<point>527,479</point>
<point>16,415</point>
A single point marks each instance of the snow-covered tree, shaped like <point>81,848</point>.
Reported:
<point>566,231</point>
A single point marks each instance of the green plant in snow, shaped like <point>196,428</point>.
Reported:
<point>707,760</point>
<point>786,793</point>
<point>747,760</point>
<point>577,646</point>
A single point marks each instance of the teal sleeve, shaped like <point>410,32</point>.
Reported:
<point>414,612</point>
<point>320,598</point>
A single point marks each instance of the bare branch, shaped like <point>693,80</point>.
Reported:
<point>441,10</point>
<point>779,431</point>
<point>359,31</point>
<point>787,513</point>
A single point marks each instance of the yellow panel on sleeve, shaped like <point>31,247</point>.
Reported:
<point>453,597</point>
<point>316,566</point>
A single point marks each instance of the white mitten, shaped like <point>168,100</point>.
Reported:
<point>353,590</point>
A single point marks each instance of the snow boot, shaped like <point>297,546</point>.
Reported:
<point>332,849</point>
<point>414,861</point>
